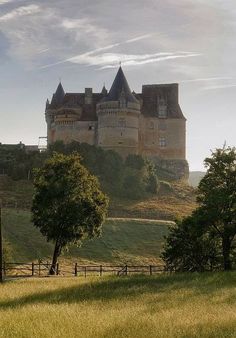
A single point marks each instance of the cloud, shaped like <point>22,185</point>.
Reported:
<point>138,38</point>
<point>111,60</point>
<point>84,25</point>
<point>88,55</point>
<point>3,2</point>
<point>136,60</point>
<point>21,11</point>
<point>206,79</point>
<point>219,87</point>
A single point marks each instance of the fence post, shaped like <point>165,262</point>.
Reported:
<point>39,269</point>
<point>150,267</point>
<point>85,271</point>
<point>100,270</point>
<point>76,270</point>
<point>57,269</point>
<point>126,270</point>
<point>33,269</point>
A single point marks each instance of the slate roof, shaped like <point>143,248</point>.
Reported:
<point>58,97</point>
<point>76,100</point>
<point>149,98</point>
<point>120,86</point>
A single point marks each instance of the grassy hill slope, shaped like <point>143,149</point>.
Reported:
<point>173,201</point>
<point>122,241</point>
<point>176,306</point>
<point>131,241</point>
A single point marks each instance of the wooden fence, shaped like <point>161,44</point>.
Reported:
<point>41,269</point>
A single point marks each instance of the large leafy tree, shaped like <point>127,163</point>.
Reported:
<point>197,242</point>
<point>68,205</point>
<point>217,199</point>
<point>189,247</point>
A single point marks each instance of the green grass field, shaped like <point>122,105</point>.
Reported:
<point>130,241</point>
<point>185,305</point>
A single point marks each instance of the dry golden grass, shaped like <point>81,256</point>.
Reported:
<point>189,305</point>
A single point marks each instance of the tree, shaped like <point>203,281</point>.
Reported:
<point>217,199</point>
<point>68,205</point>
<point>189,247</point>
<point>209,233</point>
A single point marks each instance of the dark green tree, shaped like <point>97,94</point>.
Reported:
<point>189,247</point>
<point>217,199</point>
<point>209,233</point>
<point>68,205</point>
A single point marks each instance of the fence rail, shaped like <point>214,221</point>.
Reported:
<point>18,269</point>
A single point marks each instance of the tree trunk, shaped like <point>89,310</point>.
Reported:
<point>56,254</point>
<point>226,246</point>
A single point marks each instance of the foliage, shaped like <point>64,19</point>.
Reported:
<point>135,162</point>
<point>217,198</point>
<point>189,247</point>
<point>215,217</point>
<point>117,177</point>
<point>68,205</point>
<point>132,178</point>
<point>18,163</point>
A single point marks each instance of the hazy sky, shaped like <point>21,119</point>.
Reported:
<point>192,42</point>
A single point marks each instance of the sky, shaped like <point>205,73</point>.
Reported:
<point>81,42</point>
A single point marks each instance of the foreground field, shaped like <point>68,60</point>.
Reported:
<point>189,305</point>
<point>123,240</point>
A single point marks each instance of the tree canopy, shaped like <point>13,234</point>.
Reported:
<point>134,177</point>
<point>68,205</point>
<point>214,221</point>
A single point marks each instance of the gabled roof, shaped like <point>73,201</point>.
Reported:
<point>120,87</point>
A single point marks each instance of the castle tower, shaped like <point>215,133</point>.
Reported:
<point>52,109</point>
<point>118,118</point>
<point>60,118</point>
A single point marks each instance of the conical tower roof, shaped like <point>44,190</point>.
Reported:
<point>120,87</point>
<point>58,97</point>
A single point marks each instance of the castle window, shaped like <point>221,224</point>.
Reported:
<point>162,107</point>
<point>162,142</point>
<point>122,123</point>
<point>162,111</point>
<point>162,125</point>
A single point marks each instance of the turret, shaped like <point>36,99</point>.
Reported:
<point>58,96</point>
<point>118,118</point>
<point>104,91</point>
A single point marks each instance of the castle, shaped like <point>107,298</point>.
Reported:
<point>150,123</point>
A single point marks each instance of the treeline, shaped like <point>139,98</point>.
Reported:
<point>134,177</point>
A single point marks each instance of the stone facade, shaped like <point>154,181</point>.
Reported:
<point>150,123</point>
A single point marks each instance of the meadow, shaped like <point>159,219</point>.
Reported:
<point>178,305</point>
<point>131,241</point>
